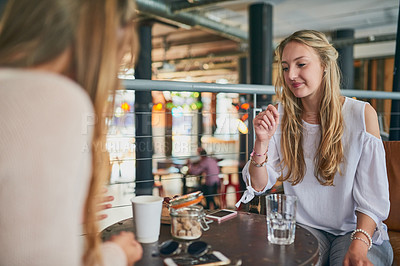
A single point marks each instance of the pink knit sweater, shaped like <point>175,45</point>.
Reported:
<point>45,136</point>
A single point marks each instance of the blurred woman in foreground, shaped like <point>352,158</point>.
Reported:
<point>59,61</point>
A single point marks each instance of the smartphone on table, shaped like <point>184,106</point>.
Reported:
<point>222,215</point>
<point>211,259</point>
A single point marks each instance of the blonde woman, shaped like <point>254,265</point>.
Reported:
<point>58,65</point>
<point>327,150</point>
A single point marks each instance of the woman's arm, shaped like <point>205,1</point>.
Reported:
<point>198,168</point>
<point>357,252</point>
<point>371,121</point>
<point>265,125</point>
<point>122,249</point>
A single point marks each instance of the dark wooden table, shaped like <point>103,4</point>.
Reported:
<point>243,238</point>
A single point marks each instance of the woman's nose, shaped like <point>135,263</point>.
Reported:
<point>292,74</point>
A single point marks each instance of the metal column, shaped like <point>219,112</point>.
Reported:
<point>261,47</point>
<point>394,131</point>
<point>143,108</point>
<point>243,138</point>
<point>2,6</point>
<point>346,57</point>
<point>261,56</point>
<point>200,127</point>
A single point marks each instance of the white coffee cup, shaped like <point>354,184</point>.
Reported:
<point>146,212</point>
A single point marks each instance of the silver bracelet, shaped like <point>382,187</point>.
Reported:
<point>365,233</point>
<point>362,239</point>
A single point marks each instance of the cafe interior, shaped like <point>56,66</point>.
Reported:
<point>205,69</point>
<point>194,55</point>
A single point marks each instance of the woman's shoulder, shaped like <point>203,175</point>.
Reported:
<point>362,114</point>
<point>353,103</point>
<point>43,100</point>
<point>353,109</point>
<point>40,85</point>
<point>36,78</point>
<point>371,121</point>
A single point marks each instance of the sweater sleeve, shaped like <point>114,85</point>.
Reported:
<point>44,169</point>
<point>113,255</point>
<point>371,188</point>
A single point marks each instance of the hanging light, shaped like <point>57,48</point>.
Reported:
<point>157,107</point>
<point>244,117</point>
<point>169,105</point>
<point>242,127</point>
<point>245,106</point>
<point>193,106</point>
<point>125,106</point>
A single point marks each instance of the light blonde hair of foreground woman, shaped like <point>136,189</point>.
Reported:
<point>94,31</point>
<point>330,150</point>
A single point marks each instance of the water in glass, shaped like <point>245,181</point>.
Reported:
<point>281,218</point>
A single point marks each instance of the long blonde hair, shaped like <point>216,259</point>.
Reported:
<point>329,154</point>
<point>36,32</point>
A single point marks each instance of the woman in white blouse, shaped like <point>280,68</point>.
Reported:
<point>327,150</point>
<point>59,61</point>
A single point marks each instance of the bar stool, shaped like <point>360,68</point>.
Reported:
<point>224,188</point>
<point>158,185</point>
<point>157,181</point>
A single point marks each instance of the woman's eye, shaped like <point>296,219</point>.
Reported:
<point>285,69</point>
<point>301,65</point>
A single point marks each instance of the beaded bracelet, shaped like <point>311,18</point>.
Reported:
<point>258,164</point>
<point>255,153</point>
<point>365,233</point>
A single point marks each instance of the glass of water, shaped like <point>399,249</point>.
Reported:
<point>281,218</point>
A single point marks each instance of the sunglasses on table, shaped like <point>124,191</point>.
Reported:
<point>172,248</point>
<point>190,254</point>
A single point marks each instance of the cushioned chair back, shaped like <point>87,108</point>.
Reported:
<point>392,149</point>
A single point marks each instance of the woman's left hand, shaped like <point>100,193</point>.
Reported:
<point>103,203</point>
<point>357,255</point>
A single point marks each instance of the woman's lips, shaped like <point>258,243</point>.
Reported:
<point>296,84</point>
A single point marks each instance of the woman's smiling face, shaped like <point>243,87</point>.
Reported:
<point>302,70</point>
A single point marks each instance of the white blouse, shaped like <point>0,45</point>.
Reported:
<point>363,185</point>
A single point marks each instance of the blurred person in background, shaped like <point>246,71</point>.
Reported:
<point>210,168</point>
<point>59,61</point>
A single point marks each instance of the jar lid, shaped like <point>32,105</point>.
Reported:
<point>186,200</point>
<point>187,211</point>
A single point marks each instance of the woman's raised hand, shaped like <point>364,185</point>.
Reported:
<point>266,123</point>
